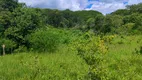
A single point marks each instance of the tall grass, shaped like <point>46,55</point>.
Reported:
<point>120,63</point>
<point>62,65</point>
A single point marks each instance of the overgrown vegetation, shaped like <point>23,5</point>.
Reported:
<point>46,44</point>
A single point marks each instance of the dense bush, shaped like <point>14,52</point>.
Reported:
<point>48,39</point>
<point>92,49</point>
<point>43,41</point>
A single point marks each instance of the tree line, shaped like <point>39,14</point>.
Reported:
<point>18,21</point>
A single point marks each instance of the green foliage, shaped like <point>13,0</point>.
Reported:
<point>63,65</point>
<point>45,40</point>
<point>141,50</point>
<point>67,18</point>
<point>90,23</point>
<point>9,45</point>
<point>23,29</point>
<point>99,24</point>
<point>126,28</point>
<point>135,18</point>
<point>48,39</point>
<point>131,15</point>
<point>85,57</point>
<point>55,18</point>
<point>6,8</point>
<point>84,15</point>
<point>21,49</point>
<point>135,8</point>
<point>108,38</point>
<point>112,23</point>
<point>9,5</point>
<point>22,24</point>
<point>4,20</point>
<point>122,12</point>
<point>92,50</point>
<point>138,50</point>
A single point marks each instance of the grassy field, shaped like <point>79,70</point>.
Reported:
<point>64,65</point>
<point>124,58</point>
<point>122,62</point>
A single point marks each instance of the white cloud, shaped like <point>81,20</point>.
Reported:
<point>57,4</point>
<point>104,6</point>
<point>107,7</point>
<point>134,1</point>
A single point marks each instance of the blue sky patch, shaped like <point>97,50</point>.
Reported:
<point>125,3</point>
<point>89,6</point>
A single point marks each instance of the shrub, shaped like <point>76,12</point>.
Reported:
<point>20,49</point>
<point>139,50</point>
<point>9,45</point>
<point>92,50</point>
<point>48,39</point>
<point>44,40</point>
<point>109,38</point>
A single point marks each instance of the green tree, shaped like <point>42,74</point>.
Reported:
<point>8,5</point>
<point>134,18</point>
<point>135,8</point>
<point>99,23</point>
<point>24,22</point>
<point>112,23</point>
<point>122,12</point>
<point>90,23</point>
<point>45,40</point>
<point>6,9</point>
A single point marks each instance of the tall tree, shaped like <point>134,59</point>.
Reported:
<point>24,22</point>
<point>6,8</point>
<point>9,5</point>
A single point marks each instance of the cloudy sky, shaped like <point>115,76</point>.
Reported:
<point>104,6</point>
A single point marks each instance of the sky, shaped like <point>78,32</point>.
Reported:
<point>104,6</point>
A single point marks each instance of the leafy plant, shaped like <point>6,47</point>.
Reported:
<point>92,50</point>
<point>48,39</point>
